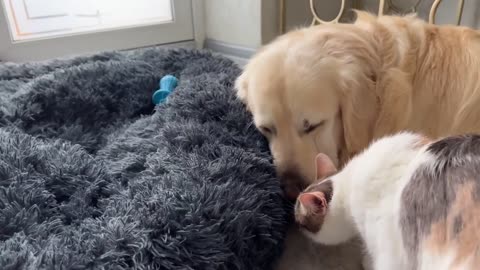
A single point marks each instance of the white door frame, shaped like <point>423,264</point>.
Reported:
<point>198,7</point>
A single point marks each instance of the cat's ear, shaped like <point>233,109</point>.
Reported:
<point>325,166</point>
<point>312,203</point>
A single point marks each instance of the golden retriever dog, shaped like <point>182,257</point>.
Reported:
<point>335,88</point>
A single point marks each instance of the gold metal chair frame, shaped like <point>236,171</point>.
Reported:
<point>381,9</point>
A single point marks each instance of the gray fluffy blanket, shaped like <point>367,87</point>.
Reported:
<point>92,176</point>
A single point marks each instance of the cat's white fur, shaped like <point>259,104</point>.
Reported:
<point>366,201</point>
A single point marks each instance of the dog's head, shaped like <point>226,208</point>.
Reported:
<point>311,91</point>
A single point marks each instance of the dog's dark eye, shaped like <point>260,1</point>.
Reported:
<point>266,130</point>
<point>307,127</point>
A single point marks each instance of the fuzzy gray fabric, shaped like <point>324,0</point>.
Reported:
<point>92,176</point>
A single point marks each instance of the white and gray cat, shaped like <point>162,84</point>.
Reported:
<point>415,203</point>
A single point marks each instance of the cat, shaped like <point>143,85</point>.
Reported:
<point>414,202</point>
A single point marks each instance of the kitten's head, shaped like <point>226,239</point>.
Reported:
<point>312,204</point>
<point>320,209</point>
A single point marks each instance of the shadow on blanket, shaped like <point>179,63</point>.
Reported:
<point>86,181</point>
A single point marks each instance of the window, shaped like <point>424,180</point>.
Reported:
<point>31,19</point>
<point>37,29</point>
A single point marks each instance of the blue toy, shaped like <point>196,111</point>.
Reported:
<point>167,85</point>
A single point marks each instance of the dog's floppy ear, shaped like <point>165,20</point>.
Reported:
<point>241,85</point>
<point>359,108</point>
<point>396,92</point>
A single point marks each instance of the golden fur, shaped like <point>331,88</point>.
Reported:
<point>360,81</point>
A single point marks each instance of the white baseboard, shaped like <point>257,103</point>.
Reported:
<point>229,49</point>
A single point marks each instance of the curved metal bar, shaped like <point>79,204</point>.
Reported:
<point>381,8</point>
<point>381,11</point>
<point>282,17</point>
<point>461,4</point>
<point>433,11</point>
<point>436,4</point>
<point>316,18</point>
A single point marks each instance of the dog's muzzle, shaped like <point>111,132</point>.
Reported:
<point>292,183</point>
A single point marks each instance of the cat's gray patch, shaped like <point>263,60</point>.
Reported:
<point>457,225</point>
<point>432,189</point>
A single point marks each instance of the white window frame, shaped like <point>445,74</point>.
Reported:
<point>181,29</point>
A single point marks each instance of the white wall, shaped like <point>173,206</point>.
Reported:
<point>234,21</point>
<point>251,23</point>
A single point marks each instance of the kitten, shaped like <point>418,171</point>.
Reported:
<point>414,203</point>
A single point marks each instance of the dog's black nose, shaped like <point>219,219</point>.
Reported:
<point>291,191</point>
<point>292,183</point>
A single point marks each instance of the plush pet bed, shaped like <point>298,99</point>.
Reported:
<point>92,176</point>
